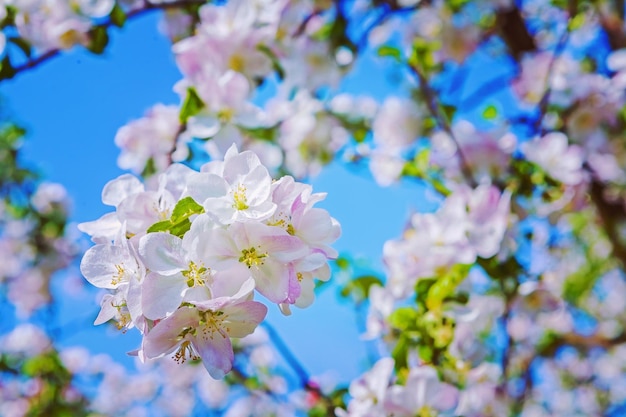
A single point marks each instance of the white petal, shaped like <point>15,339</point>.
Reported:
<point>163,253</point>
<point>118,189</point>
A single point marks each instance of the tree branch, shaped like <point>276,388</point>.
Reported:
<point>147,7</point>
<point>433,107</point>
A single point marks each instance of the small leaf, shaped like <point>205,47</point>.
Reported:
<point>403,318</point>
<point>150,168</point>
<point>191,106</point>
<point>162,226</point>
<point>99,39</point>
<point>185,208</point>
<point>390,51</point>
<point>400,353</point>
<point>6,69</point>
<point>179,229</point>
<point>449,111</point>
<point>359,287</point>
<point>444,287</point>
<point>490,112</point>
<point>118,16</point>
<point>342,262</point>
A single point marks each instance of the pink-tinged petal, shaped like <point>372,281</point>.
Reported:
<point>273,240</point>
<point>133,300</point>
<point>216,351</point>
<point>163,253</point>
<point>311,262</point>
<point>221,208</point>
<point>258,185</point>
<point>107,310</point>
<point>244,294</point>
<point>175,178</point>
<point>115,191</point>
<point>256,213</point>
<point>201,186</point>
<point>142,210</point>
<point>240,165</point>
<point>203,125</point>
<point>196,294</point>
<point>243,318</point>
<point>102,230</point>
<point>201,227</point>
<point>272,280</point>
<point>226,283</point>
<point>162,295</point>
<point>165,336</point>
<point>103,265</point>
<point>316,226</point>
<point>294,287</point>
<point>307,296</point>
<point>218,250</point>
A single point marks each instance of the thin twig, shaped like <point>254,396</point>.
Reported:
<point>558,50</point>
<point>433,107</point>
<point>294,363</point>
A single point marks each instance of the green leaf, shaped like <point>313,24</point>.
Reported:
<point>6,69</point>
<point>179,229</point>
<point>118,16</point>
<point>99,39</point>
<point>400,353</point>
<point>162,226</point>
<point>267,134</point>
<point>490,112</point>
<point>404,318</point>
<point>191,106</point>
<point>390,51</point>
<point>150,168</point>
<point>449,111</point>
<point>185,208</point>
<point>445,286</point>
<point>577,21</point>
<point>342,263</point>
<point>360,287</point>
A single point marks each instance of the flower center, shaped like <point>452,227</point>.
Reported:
<point>251,257</point>
<point>118,276</point>
<point>240,199</point>
<point>184,352</point>
<point>196,274</point>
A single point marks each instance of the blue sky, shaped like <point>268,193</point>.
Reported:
<point>72,107</point>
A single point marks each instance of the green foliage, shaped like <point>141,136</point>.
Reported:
<point>150,168</point>
<point>6,68</point>
<point>191,105</point>
<point>178,224</point>
<point>391,52</point>
<point>490,112</point>
<point>448,111</point>
<point>99,39</point>
<point>444,287</point>
<point>267,134</point>
<point>359,288</point>
<point>118,16</point>
<point>422,56</point>
<point>53,381</point>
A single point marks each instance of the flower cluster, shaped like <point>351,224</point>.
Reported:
<point>182,260</point>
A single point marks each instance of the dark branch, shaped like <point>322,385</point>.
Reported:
<point>146,8</point>
<point>433,108</point>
